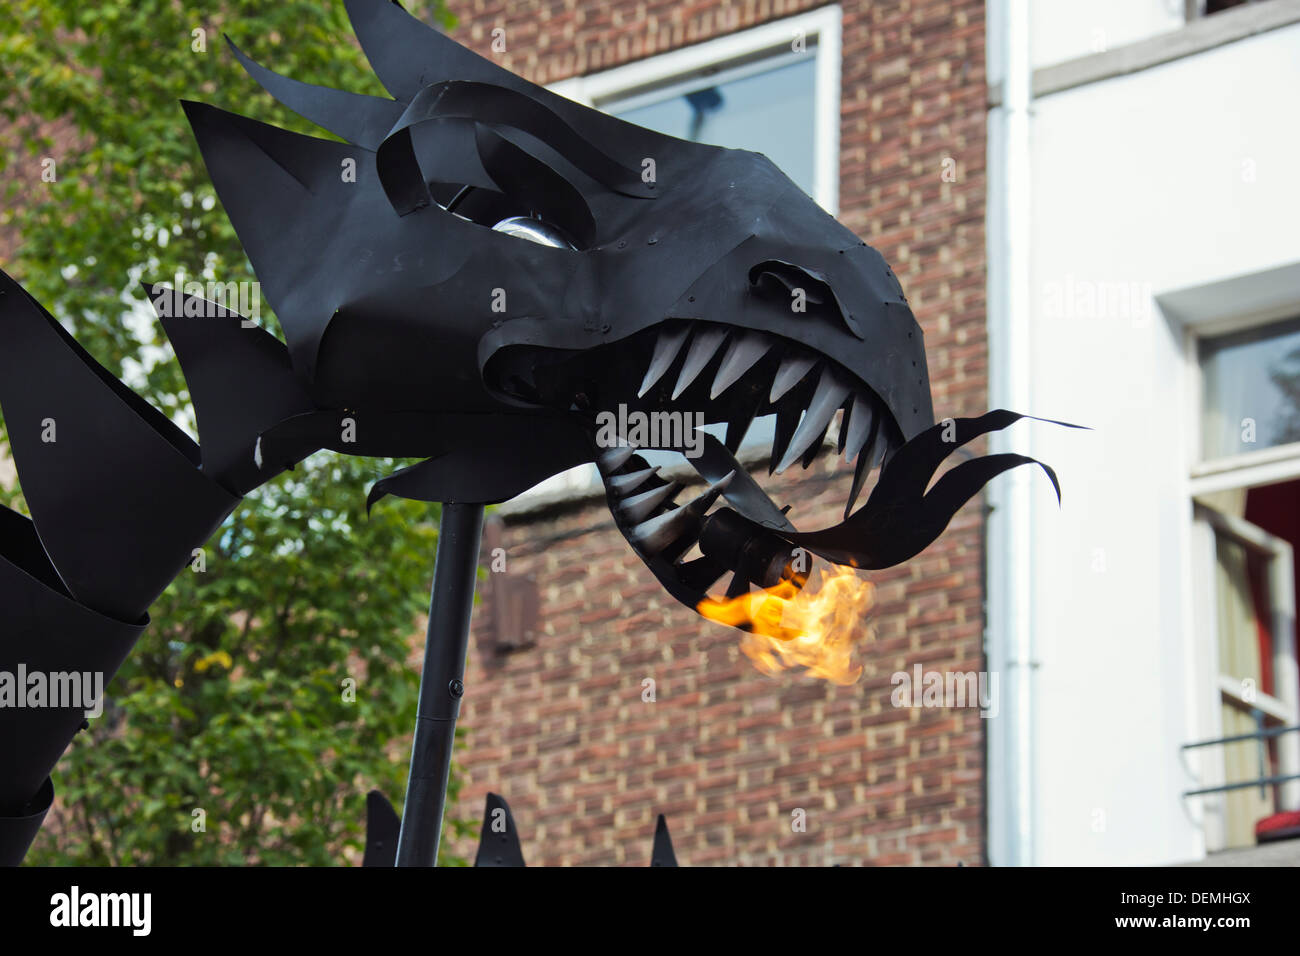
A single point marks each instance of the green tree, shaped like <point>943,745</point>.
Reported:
<point>235,708</point>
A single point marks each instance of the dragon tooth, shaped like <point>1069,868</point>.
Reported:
<point>705,499</point>
<point>829,396</point>
<point>741,355</point>
<point>793,369</point>
<point>659,532</point>
<point>667,346</point>
<point>787,420</point>
<point>859,476</point>
<point>813,450</point>
<point>656,534</point>
<point>639,507</point>
<point>879,450</point>
<point>736,430</point>
<point>612,459</point>
<point>622,484</point>
<point>862,426</point>
<point>703,347</point>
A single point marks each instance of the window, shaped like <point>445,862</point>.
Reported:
<point>764,107</point>
<point>1253,598</point>
<point>1250,390</point>
<point>774,89</point>
<point>1246,487</point>
<point>1205,8</point>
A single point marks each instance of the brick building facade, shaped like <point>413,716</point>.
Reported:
<point>559,726</point>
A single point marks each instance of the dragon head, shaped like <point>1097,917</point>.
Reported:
<point>505,283</point>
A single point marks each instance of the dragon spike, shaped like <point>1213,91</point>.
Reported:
<point>793,369</point>
<point>661,852</point>
<point>862,426</point>
<point>667,346</point>
<point>704,346</point>
<point>741,355</point>
<point>357,118</point>
<point>639,507</point>
<point>655,535</point>
<point>118,500</point>
<point>382,828</point>
<point>612,459</point>
<point>498,847</point>
<point>622,484</point>
<point>209,340</point>
<point>829,396</point>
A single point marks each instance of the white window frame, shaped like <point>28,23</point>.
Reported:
<point>819,29</point>
<point>1282,709</point>
<point>1219,308</point>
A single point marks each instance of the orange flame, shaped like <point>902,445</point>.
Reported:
<point>816,630</point>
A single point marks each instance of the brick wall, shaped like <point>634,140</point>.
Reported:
<point>560,729</point>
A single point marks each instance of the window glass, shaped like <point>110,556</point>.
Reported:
<point>770,112</point>
<point>1250,390</point>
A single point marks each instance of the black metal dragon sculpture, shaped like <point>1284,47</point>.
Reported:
<point>476,272</point>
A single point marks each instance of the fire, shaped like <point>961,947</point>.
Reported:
<point>787,627</point>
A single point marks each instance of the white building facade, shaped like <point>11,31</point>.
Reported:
<point>1144,280</point>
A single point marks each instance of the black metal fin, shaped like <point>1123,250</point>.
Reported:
<point>408,55</point>
<point>214,345</point>
<point>661,854</point>
<point>358,118</point>
<point>113,486</point>
<point>382,829</point>
<point>499,843</point>
<point>286,196</point>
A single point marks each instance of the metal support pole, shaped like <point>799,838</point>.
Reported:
<point>441,683</point>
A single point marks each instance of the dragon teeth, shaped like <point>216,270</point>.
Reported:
<point>613,459</point>
<point>859,477</point>
<point>704,346</point>
<point>656,534</point>
<point>622,484</point>
<point>793,369</point>
<point>862,426</point>
<point>741,355</point>
<point>705,499</point>
<point>639,507</point>
<point>829,396</point>
<point>667,346</point>
<point>737,429</point>
<point>880,449</point>
<point>787,421</point>
<point>877,451</point>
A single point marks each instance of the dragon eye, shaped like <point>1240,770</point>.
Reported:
<point>534,230</point>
